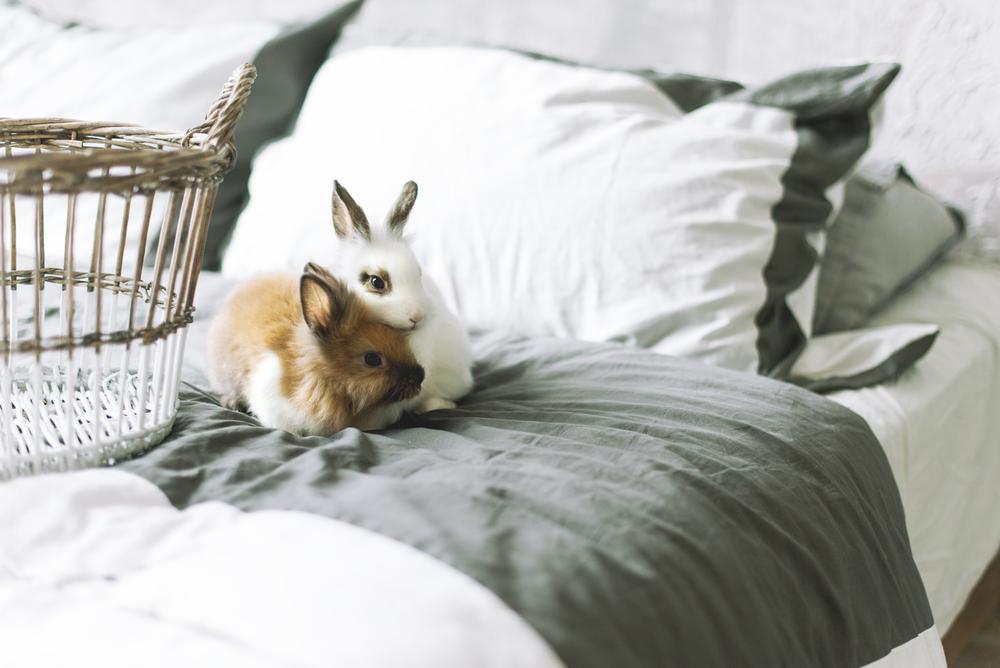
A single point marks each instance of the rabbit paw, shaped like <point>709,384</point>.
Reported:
<point>233,402</point>
<point>433,404</point>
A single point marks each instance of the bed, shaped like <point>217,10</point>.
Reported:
<point>606,496</point>
<point>132,560</point>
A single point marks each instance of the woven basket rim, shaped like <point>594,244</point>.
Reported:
<point>102,158</point>
<point>156,153</point>
<point>66,124</point>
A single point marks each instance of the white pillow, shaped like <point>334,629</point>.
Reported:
<point>164,79</point>
<point>564,200</point>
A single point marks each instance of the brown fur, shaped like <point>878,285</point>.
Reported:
<point>320,332</point>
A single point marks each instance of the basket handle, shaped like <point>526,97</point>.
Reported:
<point>220,122</point>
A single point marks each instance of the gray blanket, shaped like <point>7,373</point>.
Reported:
<point>636,510</point>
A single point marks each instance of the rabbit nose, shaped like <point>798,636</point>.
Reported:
<point>415,317</point>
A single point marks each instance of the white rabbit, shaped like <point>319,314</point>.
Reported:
<point>380,266</point>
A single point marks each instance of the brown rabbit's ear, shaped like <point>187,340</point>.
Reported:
<point>348,218</point>
<point>401,209</point>
<point>326,301</point>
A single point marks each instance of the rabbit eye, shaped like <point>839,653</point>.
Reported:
<point>377,281</point>
<point>373,359</point>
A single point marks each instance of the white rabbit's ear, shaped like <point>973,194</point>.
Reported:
<point>348,219</point>
<point>401,209</point>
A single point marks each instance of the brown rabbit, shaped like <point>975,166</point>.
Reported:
<point>307,356</point>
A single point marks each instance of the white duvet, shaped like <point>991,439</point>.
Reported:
<point>98,569</point>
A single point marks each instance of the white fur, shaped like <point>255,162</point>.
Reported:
<point>408,299</point>
<point>381,417</point>
<point>269,404</point>
<point>438,339</point>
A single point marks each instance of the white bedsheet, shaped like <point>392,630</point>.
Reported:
<point>940,426</point>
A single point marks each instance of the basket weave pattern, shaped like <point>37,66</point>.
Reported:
<point>92,326</point>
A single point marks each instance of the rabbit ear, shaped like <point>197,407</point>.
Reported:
<point>348,218</point>
<point>326,301</point>
<point>401,209</point>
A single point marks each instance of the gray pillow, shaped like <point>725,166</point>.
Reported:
<point>888,234</point>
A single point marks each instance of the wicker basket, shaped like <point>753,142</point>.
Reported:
<point>92,332</point>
